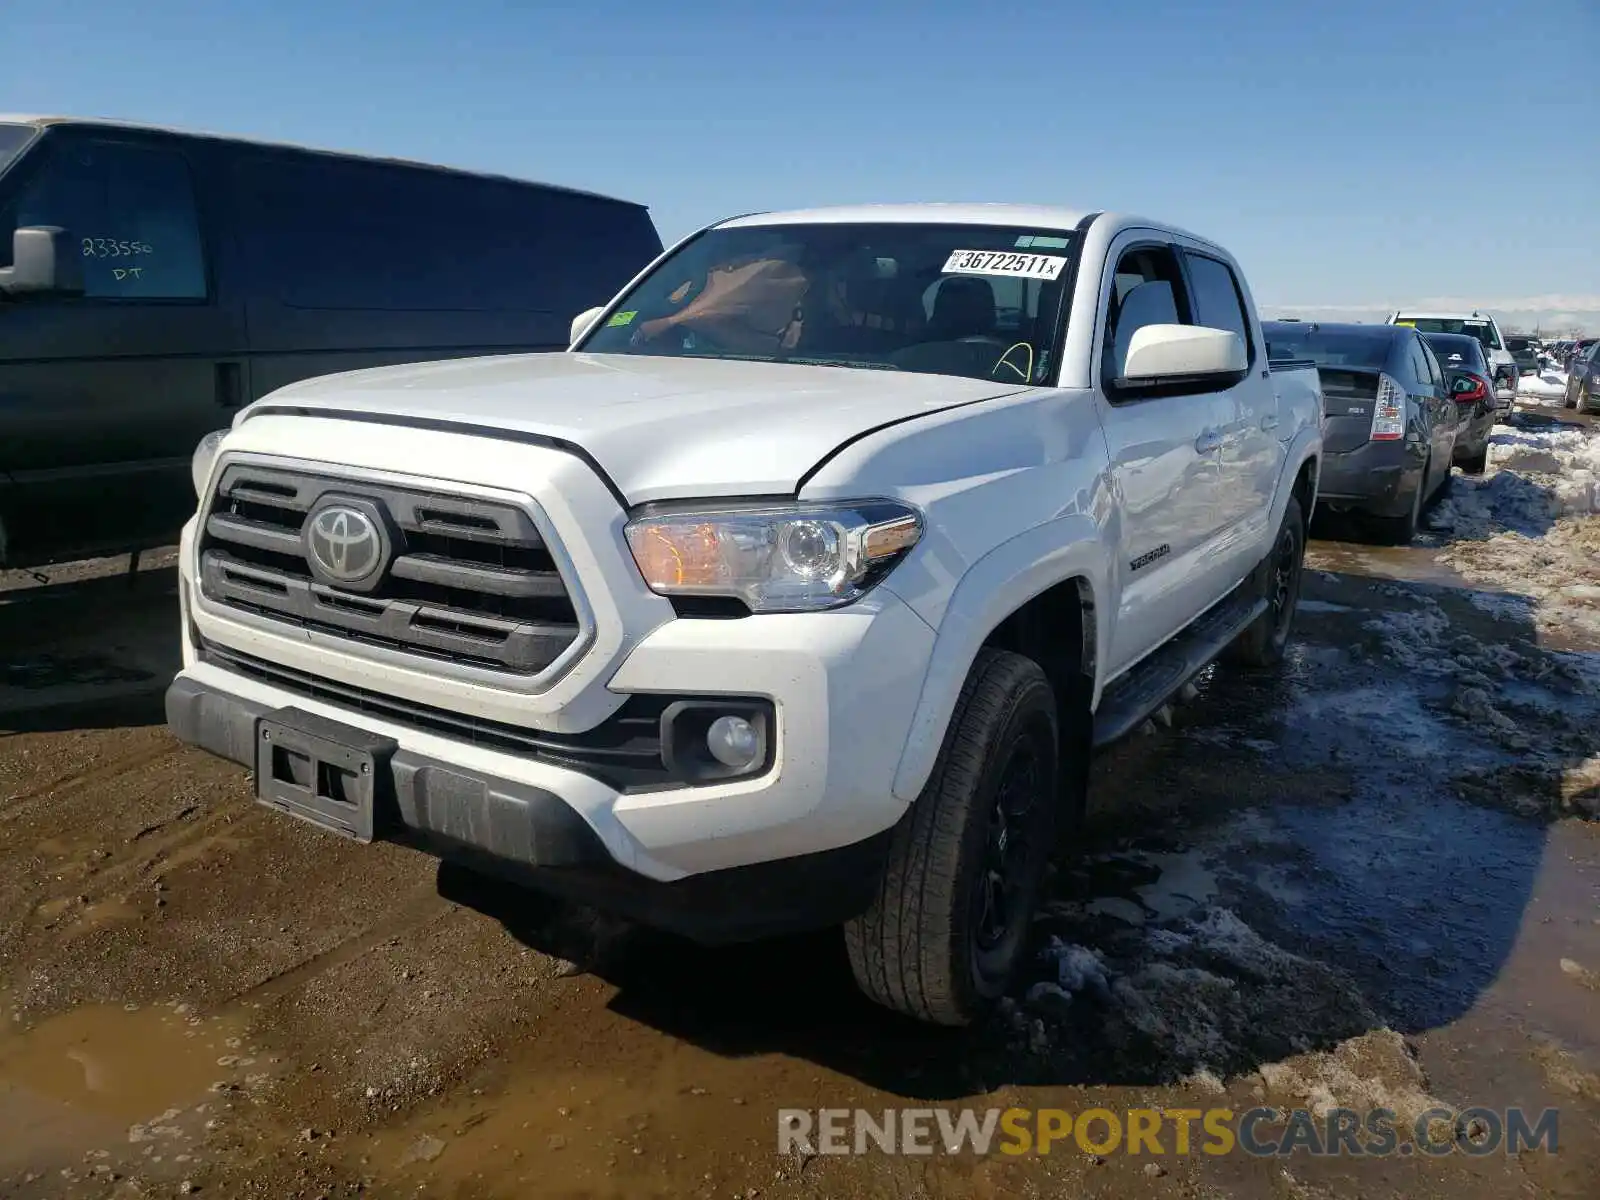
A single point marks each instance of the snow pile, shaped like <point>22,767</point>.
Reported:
<point>1548,384</point>
<point>1526,525</point>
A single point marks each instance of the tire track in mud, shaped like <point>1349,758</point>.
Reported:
<point>424,907</point>
<point>18,805</point>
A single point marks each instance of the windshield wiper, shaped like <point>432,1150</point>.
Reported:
<point>842,362</point>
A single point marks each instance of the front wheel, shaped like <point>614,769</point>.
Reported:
<point>942,939</point>
<point>1277,580</point>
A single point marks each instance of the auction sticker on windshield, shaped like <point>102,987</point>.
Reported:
<point>1004,262</point>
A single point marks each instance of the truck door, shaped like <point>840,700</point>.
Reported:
<point>1165,451</point>
<point>1252,456</point>
<point>103,396</point>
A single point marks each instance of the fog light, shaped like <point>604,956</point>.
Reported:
<point>733,742</point>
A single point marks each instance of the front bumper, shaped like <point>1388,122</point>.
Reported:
<point>790,848</point>
<point>1377,478</point>
<point>529,835</point>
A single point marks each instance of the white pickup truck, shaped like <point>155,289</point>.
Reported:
<point>798,593</point>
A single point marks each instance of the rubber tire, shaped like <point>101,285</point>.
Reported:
<point>1569,399</point>
<point>1478,463</point>
<point>1264,640</point>
<point>1398,531</point>
<point>913,949</point>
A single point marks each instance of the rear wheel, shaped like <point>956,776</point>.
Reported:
<point>1400,530</point>
<point>1277,580</point>
<point>1478,463</point>
<point>942,940</point>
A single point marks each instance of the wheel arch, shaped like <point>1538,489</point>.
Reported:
<point>1043,594</point>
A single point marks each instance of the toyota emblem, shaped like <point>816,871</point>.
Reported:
<point>344,544</point>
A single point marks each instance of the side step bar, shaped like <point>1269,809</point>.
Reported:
<point>1129,700</point>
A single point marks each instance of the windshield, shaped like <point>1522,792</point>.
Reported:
<point>12,139</point>
<point>1454,350</point>
<point>979,301</point>
<point>1361,349</point>
<point>1482,330</point>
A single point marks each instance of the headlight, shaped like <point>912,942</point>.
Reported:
<point>205,454</point>
<point>782,558</point>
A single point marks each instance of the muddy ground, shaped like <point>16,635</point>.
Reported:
<point>1372,881</point>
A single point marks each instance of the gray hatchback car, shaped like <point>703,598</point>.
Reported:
<point>1389,423</point>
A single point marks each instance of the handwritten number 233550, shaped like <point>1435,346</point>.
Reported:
<point>112,248</point>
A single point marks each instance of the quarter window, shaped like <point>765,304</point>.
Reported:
<point>129,210</point>
<point>1418,362</point>
<point>1435,376</point>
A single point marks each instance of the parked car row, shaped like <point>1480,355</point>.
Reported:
<point>1400,408</point>
<point>1583,378</point>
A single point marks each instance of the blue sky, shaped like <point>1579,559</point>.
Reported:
<point>1352,154</point>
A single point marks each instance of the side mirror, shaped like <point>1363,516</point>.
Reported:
<point>581,323</point>
<point>43,262</point>
<point>1158,352</point>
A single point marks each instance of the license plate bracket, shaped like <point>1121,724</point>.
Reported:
<point>325,772</point>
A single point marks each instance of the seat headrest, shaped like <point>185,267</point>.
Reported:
<point>962,307</point>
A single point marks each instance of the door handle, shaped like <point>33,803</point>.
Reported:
<point>1208,441</point>
<point>230,385</point>
<point>1269,422</point>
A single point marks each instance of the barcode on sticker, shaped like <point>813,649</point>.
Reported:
<point>1004,262</point>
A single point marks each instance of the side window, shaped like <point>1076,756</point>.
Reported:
<point>1218,300</point>
<point>1417,364</point>
<point>1147,289</point>
<point>325,233</point>
<point>1434,376</point>
<point>131,211</point>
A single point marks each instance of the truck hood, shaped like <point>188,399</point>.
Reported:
<point>660,428</point>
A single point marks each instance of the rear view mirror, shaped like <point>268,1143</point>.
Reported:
<point>43,262</point>
<point>581,323</point>
<point>1179,351</point>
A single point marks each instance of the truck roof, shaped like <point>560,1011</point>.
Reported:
<point>1035,215</point>
<point>43,121</point>
<point>1030,216</point>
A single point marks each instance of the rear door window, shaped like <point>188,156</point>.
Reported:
<point>129,209</point>
<point>1218,300</point>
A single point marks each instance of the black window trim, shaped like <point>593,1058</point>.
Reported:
<point>37,157</point>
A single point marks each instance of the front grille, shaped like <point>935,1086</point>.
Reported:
<point>624,752</point>
<point>466,580</point>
